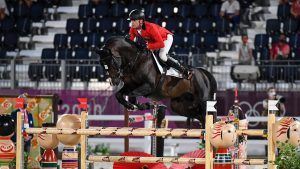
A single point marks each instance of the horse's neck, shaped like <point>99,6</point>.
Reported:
<point>132,63</point>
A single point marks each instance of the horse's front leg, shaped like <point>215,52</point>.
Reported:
<point>124,102</point>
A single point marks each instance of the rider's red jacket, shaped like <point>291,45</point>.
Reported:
<point>154,34</point>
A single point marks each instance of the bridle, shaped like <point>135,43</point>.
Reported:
<point>116,62</point>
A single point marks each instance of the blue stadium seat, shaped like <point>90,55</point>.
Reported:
<point>21,11</point>
<point>294,41</point>
<point>52,72</point>
<point>60,41</point>
<point>198,58</point>
<point>275,39</point>
<point>122,26</point>
<point>290,26</point>
<point>295,54</point>
<point>73,26</point>
<point>117,10</point>
<point>189,25</point>
<point>37,12</point>
<point>132,7</point>
<point>167,10</point>
<point>7,25</point>
<point>283,11</point>
<point>172,24</point>
<point>71,72</point>
<point>64,54</point>
<point>99,73</point>
<point>151,10</point>
<point>105,24</point>
<point>194,40</point>
<point>85,72</point>
<point>89,25</point>
<point>210,42</point>
<point>200,10</point>
<point>48,55</point>
<point>273,27</point>
<point>184,11</point>
<point>261,41</point>
<point>178,40</point>
<point>85,11</point>
<point>24,26</point>
<point>101,11</point>
<point>81,54</point>
<point>215,11</point>
<point>93,40</point>
<point>157,20</point>
<point>261,55</point>
<point>10,42</point>
<point>77,41</point>
<point>35,71</point>
<point>206,25</point>
<point>2,54</point>
<point>223,27</point>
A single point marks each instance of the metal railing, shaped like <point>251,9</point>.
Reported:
<point>69,74</point>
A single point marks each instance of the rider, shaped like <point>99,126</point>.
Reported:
<point>157,38</point>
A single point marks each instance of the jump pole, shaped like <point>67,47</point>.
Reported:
<point>83,140</point>
<point>272,108</point>
<point>209,123</point>
<point>134,132</point>
<point>126,124</point>
<point>177,160</point>
<point>19,147</point>
<point>83,105</point>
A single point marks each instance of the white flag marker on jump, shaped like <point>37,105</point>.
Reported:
<point>272,105</point>
<point>210,106</point>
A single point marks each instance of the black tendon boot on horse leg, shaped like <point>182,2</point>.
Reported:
<point>176,65</point>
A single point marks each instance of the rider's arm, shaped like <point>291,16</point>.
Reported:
<point>132,34</point>
<point>158,41</point>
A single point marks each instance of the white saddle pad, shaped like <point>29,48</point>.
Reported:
<point>170,72</point>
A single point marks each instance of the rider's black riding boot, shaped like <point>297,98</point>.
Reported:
<point>176,65</point>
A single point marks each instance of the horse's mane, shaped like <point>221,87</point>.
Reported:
<point>126,39</point>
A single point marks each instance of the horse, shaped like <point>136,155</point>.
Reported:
<point>132,67</point>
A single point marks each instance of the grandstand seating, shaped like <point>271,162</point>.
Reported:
<point>197,29</point>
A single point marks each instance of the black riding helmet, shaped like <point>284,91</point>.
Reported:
<point>136,14</point>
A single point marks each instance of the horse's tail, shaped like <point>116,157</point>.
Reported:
<point>212,83</point>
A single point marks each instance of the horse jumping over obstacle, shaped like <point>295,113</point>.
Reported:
<point>134,66</point>
<point>209,161</point>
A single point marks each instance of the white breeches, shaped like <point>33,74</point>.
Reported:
<point>164,51</point>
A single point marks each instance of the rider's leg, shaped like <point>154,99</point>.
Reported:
<point>164,51</point>
<point>171,61</point>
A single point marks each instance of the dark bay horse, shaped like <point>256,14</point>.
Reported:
<point>133,66</point>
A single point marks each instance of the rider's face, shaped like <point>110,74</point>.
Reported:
<point>136,24</point>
